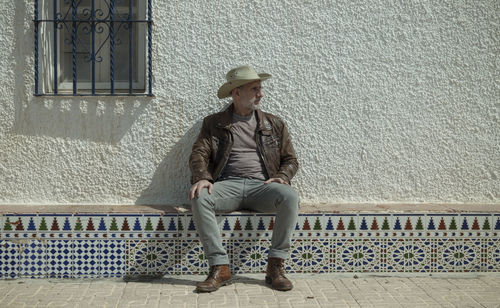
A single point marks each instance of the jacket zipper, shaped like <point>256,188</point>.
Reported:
<point>259,146</point>
<point>227,158</point>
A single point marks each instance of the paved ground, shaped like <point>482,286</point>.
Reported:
<point>323,290</point>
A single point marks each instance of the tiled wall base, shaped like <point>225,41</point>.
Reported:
<point>118,245</point>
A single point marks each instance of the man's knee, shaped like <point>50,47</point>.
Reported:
<point>286,196</point>
<point>203,200</point>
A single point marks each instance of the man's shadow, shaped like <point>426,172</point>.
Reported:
<point>192,282</point>
<point>170,184</point>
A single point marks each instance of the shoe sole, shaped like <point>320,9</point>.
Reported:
<point>208,290</point>
<point>270,282</point>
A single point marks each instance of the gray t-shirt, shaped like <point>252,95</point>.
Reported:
<point>244,160</point>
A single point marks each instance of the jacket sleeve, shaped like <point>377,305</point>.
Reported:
<point>199,160</point>
<point>288,159</point>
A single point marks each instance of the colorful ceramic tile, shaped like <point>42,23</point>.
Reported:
<point>395,249</point>
<point>136,265</point>
<point>112,258</point>
<point>320,224</point>
<point>443,222</point>
<point>102,245</point>
<point>33,262</point>
<point>86,226</point>
<point>250,256</point>
<point>496,222</point>
<point>341,223</point>
<point>9,259</point>
<point>60,258</point>
<point>376,244</point>
<point>188,225</point>
<point>160,257</point>
<point>192,257</point>
<point>16,226</point>
<point>118,226</point>
<point>265,222</point>
<point>309,256</point>
<point>126,226</point>
<point>477,222</point>
<point>457,255</point>
<point>154,222</point>
<point>420,255</point>
<point>312,226</point>
<point>23,227</point>
<point>374,223</point>
<point>384,257</point>
<point>246,226</point>
<point>167,223</point>
<point>482,265</point>
<point>466,223</point>
<point>412,223</point>
<point>54,225</point>
<point>355,255</point>
<point>307,222</point>
<point>408,255</point>
<point>14,223</point>
<point>493,255</point>
<point>226,222</point>
<point>86,258</point>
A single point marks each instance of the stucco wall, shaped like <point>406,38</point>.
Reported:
<point>386,101</point>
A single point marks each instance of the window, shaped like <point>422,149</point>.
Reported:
<point>93,47</point>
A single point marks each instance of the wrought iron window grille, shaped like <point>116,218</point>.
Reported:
<point>93,47</point>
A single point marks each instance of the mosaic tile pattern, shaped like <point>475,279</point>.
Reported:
<point>32,262</point>
<point>86,258</point>
<point>60,258</point>
<point>309,256</point>
<point>112,262</point>
<point>250,256</point>
<point>118,245</point>
<point>192,257</point>
<point>9,259</point>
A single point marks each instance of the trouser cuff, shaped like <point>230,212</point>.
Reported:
<point>218,260</point>
<point>273,253</point>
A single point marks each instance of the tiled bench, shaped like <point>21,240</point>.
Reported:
<point>118,241</point>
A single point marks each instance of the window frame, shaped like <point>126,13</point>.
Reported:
<point>49,27</point>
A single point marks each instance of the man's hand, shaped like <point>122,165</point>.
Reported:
<point>276,180</point>
<point>198,187</point>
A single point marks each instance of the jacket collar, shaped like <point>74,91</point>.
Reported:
<point>227,118</point>
<point>262,122</point>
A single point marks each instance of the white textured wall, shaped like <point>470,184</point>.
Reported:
<point>387,101</point>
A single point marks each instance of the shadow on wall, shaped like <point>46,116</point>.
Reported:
<point>171,181</point>
<point>171,177</point>
<point>91,119</point>
<point>83,118</point>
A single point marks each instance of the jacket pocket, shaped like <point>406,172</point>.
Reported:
<point>271,141</point>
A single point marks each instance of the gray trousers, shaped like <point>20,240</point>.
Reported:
<point>245,194</point>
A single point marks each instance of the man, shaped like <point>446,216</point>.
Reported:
<point>243,158</point>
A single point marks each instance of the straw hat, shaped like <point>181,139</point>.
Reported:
<point>238,77</point>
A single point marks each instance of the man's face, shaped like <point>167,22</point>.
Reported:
<point>247,97</point>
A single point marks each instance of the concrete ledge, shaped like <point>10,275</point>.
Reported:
<point>307,208</point>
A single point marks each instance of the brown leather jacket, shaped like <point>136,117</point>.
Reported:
<point>212,147</point>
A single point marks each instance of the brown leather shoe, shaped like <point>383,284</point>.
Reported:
<point>218,276</point>
<point>275,275</point>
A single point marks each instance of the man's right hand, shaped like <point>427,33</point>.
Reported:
<point>198,187</point>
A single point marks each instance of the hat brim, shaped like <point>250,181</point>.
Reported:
<point>225,89</point>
